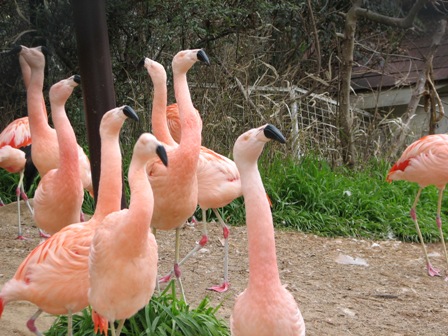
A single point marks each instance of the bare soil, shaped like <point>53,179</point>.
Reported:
<point>389,294</point>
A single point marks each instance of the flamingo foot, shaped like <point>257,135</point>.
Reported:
<point>432,271</point>
<point>165,278</point>
<point>20,237</point>
<point>100,323</point>
<point>32,327</point>
<point>42,234</point>
<point>220,288</point>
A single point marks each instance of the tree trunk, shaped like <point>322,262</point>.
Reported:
<point>345,116</point>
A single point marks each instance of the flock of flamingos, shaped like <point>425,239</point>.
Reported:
<point>79,264</point>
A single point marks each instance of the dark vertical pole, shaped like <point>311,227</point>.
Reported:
<point>96,73</point>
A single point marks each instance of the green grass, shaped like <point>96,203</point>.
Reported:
<point>310,196</point>
<point>164,315</point>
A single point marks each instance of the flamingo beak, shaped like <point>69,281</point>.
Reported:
<point>130,113</point>
<point>161,153</point>
<point>202,56</point>
<point>273,133</point>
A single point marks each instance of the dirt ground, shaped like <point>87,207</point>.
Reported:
<point>384,291</point>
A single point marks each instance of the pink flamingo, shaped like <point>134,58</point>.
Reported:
<point>60,193</point>
<point>424,162</point>
<point>265,307</point>
<point>16,160</point>
<point>45,151</point>
<point>17,135</point>
<point>173,206</point>
<point>134,265</point>
<point>219,184</point>
<point>54,276</point>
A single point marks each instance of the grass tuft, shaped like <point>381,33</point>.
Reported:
<point>164,315</point>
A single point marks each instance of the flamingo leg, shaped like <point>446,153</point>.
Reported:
<point>439,224</point>
<point>120,326</point>
<point>19,234</point>
<point>154,231</point>
<point>31,323</point>
<point>198,246</point>
<point>69,324</point>
<point>112,328</point>
<point>177,271</point>
<point>431,270</point>
<point>225,229</point>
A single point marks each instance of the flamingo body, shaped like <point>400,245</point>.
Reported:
<point>423,162</point>
<point>12,159</point>
<point>16,134</point>
<point>265,307</point>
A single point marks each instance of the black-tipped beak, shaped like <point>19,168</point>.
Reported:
<point>15,50</point>
<point>161,153</point>
<point>130,113</point>
<point>272,132</point>
<point>77,79</point>
<point>202,56</point>
<point>44,50</point>
<point>141,63</point>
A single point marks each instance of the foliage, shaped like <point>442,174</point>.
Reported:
<point>310,196</point>
<point>164,315</point>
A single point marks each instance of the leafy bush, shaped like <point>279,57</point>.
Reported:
<point>164,315</point>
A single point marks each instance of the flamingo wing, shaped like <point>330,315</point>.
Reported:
<point>16,134</point>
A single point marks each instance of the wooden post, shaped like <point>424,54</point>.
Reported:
<point>96,75</point>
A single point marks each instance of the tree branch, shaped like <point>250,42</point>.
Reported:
<point>405,22</point>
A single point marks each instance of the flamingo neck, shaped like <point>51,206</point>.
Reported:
<point>191,124</point>
<point>110,186</point>
<point>68,147</point>
<point>263,269</point>
<point>159,103</point>
<point>140,206</point>
<point>37,113</point>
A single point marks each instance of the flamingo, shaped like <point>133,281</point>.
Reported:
<point>132,266</point>
<point>219,184</point>
<point>54,276</point>
<point>424,162</point>
<point>265,307</point>
<point>218,177</point>
<point>15,157</point>
<point>16,160</point>
<point>174,205</point>
<point>59,195</point>
<point>45,151</point>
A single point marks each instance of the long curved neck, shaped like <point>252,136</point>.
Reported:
<point>140,206</point>
<point>68,148</point>
<point>263,267</point>
<point>37,113</point>
<point>191,124</point>
<point>158,117</point>
<point>110,186</point>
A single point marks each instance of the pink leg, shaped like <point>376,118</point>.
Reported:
<point>19,234</point>
<point>431,270</point>
<point>225,231</point>
<point>31,323</point>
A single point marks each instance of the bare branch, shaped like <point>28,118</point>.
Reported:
<point>405,22</point>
